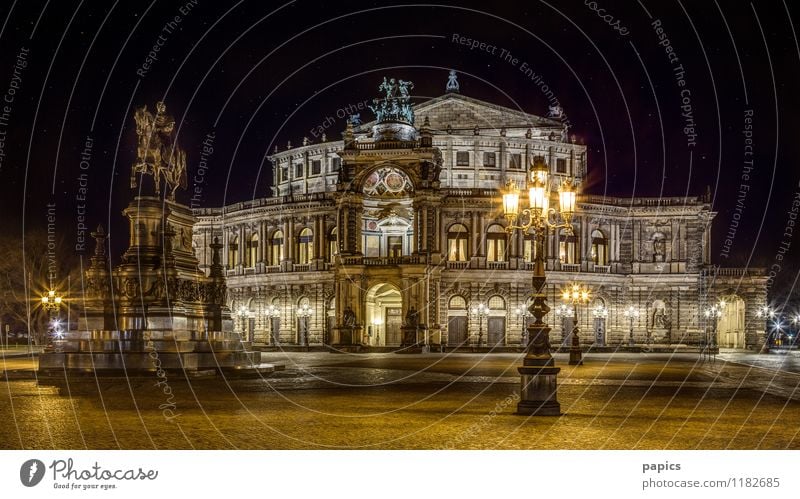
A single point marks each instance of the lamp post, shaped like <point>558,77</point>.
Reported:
<point>600,313</point>
<point>272,312</point>
<point>766,312</point>
<point>523,315</point>
<point>244,314</point>
<point>539,393</point>
<point>564,312</point>
<point>632,314</point>
<point>713,313</point>
<point>51,301</point>
<point>480,312</point>
<point>304,313</point>
<point>575,295</point>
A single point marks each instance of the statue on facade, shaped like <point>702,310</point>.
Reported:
<point>157,154</point>
<point>396,102</point>
<point>452,82</point>
<point>412,317</point>
<point>349,318</point>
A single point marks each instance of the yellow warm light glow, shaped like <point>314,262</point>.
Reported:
<point>567,198</point>
<point>511,199</point>
<point>537,197</point>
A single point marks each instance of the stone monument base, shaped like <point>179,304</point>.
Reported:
<point>538,391</point>
<point>142,352</point>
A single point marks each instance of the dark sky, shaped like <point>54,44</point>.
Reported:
<point>257,74</point>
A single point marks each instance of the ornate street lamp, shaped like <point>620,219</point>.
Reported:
<point>539,394</point>
<point>304,312</point>
<point>564,312</point>
<point>523,315</point>
<point>767,313</point>
<point>713,313</point>
<point>51,301</point>
<point>632,314</point>
<point>599,313</point>
<point>575,295</point>
<point>244,314</point>
<point>272,313</point>
<point>480,312</point>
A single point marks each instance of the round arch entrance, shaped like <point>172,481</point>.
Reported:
<point>730,328</point>
<point>384,315</point>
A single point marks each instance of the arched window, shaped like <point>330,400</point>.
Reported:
<point>457,302</point>
<point>305,246</point>
<point>567,244</point>
<point>497,302</point>
<point>276,248</point>
<point>495,244</point>
<point>233,251</point>
<point>333,244</point>
<point>457,237</point>
<point>252,250</point>
<point>599,248</point>
<point>529,248</point>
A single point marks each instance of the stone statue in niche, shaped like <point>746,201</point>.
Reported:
<point>412,317</point>
<point>349,318</point>
<point>659,248</point>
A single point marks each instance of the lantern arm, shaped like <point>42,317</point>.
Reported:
<point>556,220</point>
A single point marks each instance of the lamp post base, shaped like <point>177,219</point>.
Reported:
<point>539,391</point>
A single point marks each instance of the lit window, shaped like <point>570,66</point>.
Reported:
<point>529,248</point>
<point>333,247</point>
<point>276,248</point>
<point>599,248</point>
<point>496,244</point>
<point>305,246</point>
<point>252,250</point>
<point>567,248</point>
<point>233,252</point>
<point>497,302</point>
<point>457,238</point>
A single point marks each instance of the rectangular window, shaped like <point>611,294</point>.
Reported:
<point>316,167</point>
<point>372,246</point>
<point>462,158</point>
<point>561,165</point>
<point>284,174</point>
<point>298,170</point>
<point>336,164</point>
<point>395,246</point>
<point>496,249</point>
<point>515,161</point>
<point>489,159</point>
<point>529,249</point>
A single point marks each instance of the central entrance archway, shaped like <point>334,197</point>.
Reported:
<point>384,315</point>
<point>730,328</point>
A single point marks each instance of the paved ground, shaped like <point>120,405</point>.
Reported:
<point>323,400</point>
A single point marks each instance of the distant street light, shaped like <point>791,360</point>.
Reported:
<point>304,312</point>
<point>480,312</point>
<point>632,314</point>
<point>713,313</point>
<point>575,295</point>
<point>767,313</point>
<point>272,313</point>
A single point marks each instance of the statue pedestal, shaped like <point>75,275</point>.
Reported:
<point>347,339</point>
<point>413,339</point>
<point>539,391</point>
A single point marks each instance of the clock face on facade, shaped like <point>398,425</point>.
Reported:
<point>387,182</point>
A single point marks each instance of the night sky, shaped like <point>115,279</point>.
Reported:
<point>658,90</point>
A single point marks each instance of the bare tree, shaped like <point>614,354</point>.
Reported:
<point>25,271</point>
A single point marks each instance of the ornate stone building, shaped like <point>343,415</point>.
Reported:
<point>402,224</point>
